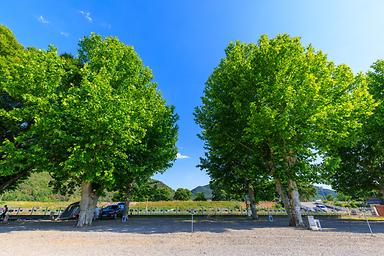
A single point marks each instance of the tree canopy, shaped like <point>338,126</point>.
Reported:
<point>269,108</point>
<point>26,78</point>
<point>182,194</point>
<point>360,172</point>
<point>200,197</point>
<point>96,120</point>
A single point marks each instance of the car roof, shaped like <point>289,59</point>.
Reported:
<point>111,206</point>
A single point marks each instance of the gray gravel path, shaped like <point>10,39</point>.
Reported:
<point>172,236</point>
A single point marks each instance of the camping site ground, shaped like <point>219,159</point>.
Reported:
<point>173,235</point>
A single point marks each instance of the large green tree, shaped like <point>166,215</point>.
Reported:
<point>27,77</point>
<point>101,120</point>
<point>114,124</point>
<point>280,104</point>
<point>361,169</point>
<point>9,51</point>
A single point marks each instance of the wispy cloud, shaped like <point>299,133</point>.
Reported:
<point>106,25</point>
<point>65,34</point>
<point>43,20</point>
<point>86,15</point>
<point>180,156</point>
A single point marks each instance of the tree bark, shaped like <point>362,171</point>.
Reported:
<point>284,197</point>
<point>296,219</point>
<point>289,195</point>
<point>87,205</point>
<point>291,201</point>
<point>293,196</point>
<point>252,202</point>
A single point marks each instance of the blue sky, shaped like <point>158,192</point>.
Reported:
<point>182,42</point>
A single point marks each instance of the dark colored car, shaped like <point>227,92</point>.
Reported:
<point>374,201</point>
<point>121,205</point>
<point>111,211</point>
<point>71,212</point>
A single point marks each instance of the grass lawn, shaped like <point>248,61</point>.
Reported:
<point>30,204</point>
<point>370,218</point>
<point>166,205</point>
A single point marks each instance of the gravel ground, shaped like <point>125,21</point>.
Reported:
<point>172,236</point>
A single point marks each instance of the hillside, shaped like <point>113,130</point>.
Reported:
<point>321,193</point>
<point>205,189</point>
<point>36,188</point>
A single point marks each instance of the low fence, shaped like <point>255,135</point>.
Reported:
<point>34,211</point>
<point>44,211</point>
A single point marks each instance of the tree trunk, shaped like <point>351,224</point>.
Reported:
<point>296,219</point>
<point>284,197</point>
<point>289,195</point>
<point>252,202</point>
<point>87,205</point>
<point>294,206</point>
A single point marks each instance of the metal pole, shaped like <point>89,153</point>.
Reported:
<point>369,226</point>
<point>192,223</point>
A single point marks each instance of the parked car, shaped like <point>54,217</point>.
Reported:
<point>121,205</point>
<point>321,208</point>
<point>306,209</point>
<point>71,212</point>
<point>111,211</point>
<point>374,201</point>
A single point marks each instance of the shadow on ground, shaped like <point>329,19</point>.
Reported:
<point>162,225</point>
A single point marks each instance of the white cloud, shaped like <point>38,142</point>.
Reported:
<point>180,156</point>
<point>43,20</point>
<point>65,34</point>
<point>86,15</point>
<point>106,25</point>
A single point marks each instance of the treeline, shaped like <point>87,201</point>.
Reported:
<point>37,188</point>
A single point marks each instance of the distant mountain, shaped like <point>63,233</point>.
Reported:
<point>321,192</point>
<point>160,184</point>
<point>205,189</point>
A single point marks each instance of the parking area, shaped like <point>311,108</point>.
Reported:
<point>173,236</point>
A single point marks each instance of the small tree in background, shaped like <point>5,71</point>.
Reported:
<point>182,194</point>
<point>329,197</point>
<point>200,197</point>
